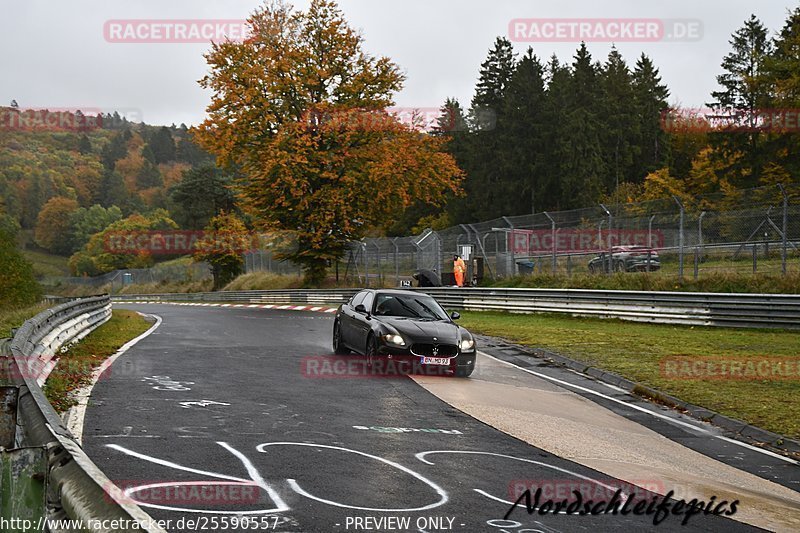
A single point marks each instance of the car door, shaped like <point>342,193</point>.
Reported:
<point>348,318</point>
<point>362,323</point>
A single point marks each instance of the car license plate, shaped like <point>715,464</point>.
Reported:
<point>435,361</point>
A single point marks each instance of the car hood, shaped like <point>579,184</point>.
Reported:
<point>424,331</point>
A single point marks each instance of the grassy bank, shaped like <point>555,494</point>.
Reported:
<point>14,317</point>
<point>635,351</point>
<point>74,368</point>
<point>643,281</point>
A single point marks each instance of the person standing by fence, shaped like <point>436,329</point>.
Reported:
<point>459,269</point>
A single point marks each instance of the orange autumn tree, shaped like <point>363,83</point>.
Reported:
<point>299,108</point>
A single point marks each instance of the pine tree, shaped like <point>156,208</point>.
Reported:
<point>495,75</point>
<point>115,150</point>
<point>783,73</point>
<point>649,103</point>
<point>163,145</point>
<point>578,148</point>
<point>620,142</point>
<point>203,192</point>
<point>482,166</point>
<point>523,128</point>
<point>745,90</point>
<point>149,176</point>
<point>84,145</point>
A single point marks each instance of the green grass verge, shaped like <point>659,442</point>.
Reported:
<point>14,317</point>
<point>635,351</point>
<point>74,368</point>
<point>654,281</point>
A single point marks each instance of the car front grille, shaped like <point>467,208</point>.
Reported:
<point>427,350</point>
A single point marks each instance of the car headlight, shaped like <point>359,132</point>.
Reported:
<point>395,340</point>
<point>467,345</point>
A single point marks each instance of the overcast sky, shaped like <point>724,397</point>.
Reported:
<point>55,55</point>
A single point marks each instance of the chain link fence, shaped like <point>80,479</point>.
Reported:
<point>746,231</point>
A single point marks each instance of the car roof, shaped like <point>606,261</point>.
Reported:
<point>398,292</point>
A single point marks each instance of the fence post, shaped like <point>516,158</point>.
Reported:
<point>755,258</point>
<point>650,232</point>
<point>378,265</point>
<point>610,248</point>
<point>513,246</point>
<point>396,264</point>
<point>553,244</point>
<point>365,251</point>
<point>785,229</point>
<point>700,233</point>
<point>680,237</point>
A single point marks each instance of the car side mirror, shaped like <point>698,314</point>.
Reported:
<point>455,315</point>
<point>361,309</point>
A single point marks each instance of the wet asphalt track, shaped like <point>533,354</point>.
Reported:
<point>221,401</point>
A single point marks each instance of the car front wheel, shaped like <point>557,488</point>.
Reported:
<point>338,347</point>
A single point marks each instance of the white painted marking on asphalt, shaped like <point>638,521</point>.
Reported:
<point>643,410</point>
<point>443,497</point>
<point>283,307</point>
<point>330,310</point>
<point>254,474</point>
<point>299,308</point>
<point>613,387</point>
<point>170,464</point>
<point>254,305</point>
<point>76,417</point>
<point>281,506</point>
<point>755,448</point>
<point>421,457</point>
<point>201,403</point>
<point>315,308</point>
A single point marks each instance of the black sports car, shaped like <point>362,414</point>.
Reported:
<point>404,330</point>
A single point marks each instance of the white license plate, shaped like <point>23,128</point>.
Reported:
<point>435,361</point>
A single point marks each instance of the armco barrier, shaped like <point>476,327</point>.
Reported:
<point>687,308</point>
<point>68,482</point>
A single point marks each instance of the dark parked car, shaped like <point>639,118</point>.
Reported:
<point>403,327</point>
<point>626,259</point>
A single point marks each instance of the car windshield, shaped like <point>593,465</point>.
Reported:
<point>409,306</point>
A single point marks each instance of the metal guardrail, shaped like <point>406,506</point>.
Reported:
<point>687,308</point>
<point>71,484</point>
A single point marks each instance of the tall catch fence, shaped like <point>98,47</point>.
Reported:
<point>748,231</point>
